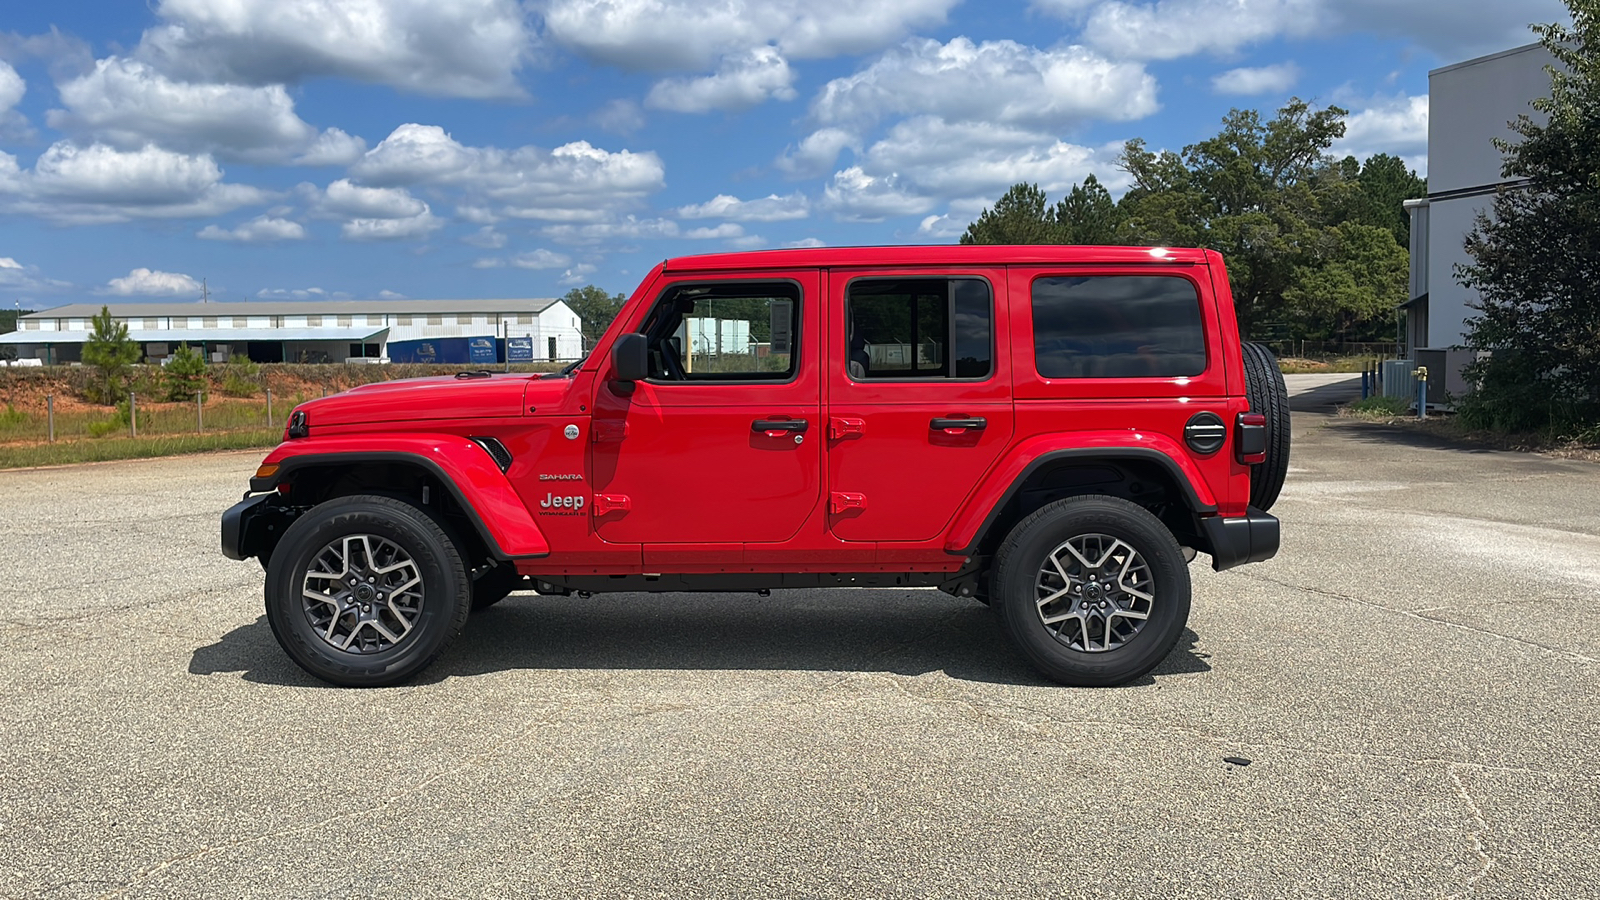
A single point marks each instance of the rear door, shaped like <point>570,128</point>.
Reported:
<point>919,400</point>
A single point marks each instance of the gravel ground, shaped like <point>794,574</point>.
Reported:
<point>1413,681</point>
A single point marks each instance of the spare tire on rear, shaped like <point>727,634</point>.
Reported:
<point>1268,396</point>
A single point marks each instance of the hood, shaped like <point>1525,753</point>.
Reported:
<point>412,399</point>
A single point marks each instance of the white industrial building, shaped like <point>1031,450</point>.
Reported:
<point>1469,106</point>
<point>445,331</point>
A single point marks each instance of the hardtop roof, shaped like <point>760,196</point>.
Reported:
<point>936,255</point>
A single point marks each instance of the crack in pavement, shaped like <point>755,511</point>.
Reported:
<point>1485,861</point>
<point>1417,614</point>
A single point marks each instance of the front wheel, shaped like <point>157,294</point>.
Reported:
<point>1093,591</point>
<point>365,591</point>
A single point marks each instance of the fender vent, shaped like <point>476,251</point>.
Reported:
<point>497,450</point>
<point>1205,434</point>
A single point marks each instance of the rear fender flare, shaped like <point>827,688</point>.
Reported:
<point>464,469</point>
<point>1004,480</point>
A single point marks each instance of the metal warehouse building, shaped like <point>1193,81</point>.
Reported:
<point>1470,104</point>
<point>443,331</point>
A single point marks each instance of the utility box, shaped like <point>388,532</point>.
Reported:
<point>1445,378</point>
<point>1397,380</point>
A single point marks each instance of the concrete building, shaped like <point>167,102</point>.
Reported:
<point>1469,106</point>
<point>445,331</point>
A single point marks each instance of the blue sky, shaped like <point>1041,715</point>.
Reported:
<point>495,148</point>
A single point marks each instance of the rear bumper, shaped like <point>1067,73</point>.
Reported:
<point>1250,538</point>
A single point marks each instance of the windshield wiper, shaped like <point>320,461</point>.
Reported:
<point>573,366</point>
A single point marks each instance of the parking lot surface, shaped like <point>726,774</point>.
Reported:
<point>1413,681</point>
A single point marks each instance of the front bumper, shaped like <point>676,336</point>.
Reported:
<point>253,526</point>
<point>1250,538</point>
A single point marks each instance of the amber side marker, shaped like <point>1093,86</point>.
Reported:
<point>267,471</point>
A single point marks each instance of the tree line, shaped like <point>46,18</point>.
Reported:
<point>1316,246</point>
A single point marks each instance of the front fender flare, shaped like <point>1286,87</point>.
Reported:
<point>983,506</point>
<point>464,468</point>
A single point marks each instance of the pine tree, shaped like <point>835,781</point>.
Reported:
<point>110,351</point>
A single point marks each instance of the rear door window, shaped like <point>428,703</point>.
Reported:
<point>919,329</point>
<point>1117,326</point>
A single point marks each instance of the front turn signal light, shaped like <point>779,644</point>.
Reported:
<point>267,471</point>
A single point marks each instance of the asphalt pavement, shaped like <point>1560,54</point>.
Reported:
<point>1407,692</point>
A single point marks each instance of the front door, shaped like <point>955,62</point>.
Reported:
<point>919,399</point>
<point>722,443</point>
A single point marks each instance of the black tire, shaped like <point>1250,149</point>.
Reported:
<point>495,585</point>
<point>440,608</point>
<point>1018,579</point>
<point>1269,396</point>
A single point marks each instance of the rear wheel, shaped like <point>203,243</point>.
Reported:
<point>365,591</point>
<point>1268,395</point>
<point>1093,591</point>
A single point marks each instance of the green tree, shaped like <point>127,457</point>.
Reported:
<point>1251,192</point>
<point>1534,261</point>
<point>185,373</point>
<point>1088,215</point>
<point>595,309</point>
<point>110,351</point>
<point>1359,276</point>
<point>1020,216</point>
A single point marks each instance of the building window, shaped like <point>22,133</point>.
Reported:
<point>912,329</point>
<point>345,321</point>
<point>403,320</point>
<point>463,320</point>
<point>208,322</point>
<point>1117,326</point>
<point>314,321</point>
<point>524,320</point>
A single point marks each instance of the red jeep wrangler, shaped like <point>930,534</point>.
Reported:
<point>1050,430</point>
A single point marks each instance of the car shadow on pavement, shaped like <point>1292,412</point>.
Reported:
<point>1408,435</point>
<point>906,633</point>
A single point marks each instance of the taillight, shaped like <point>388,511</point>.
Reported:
<point>1250,438</point>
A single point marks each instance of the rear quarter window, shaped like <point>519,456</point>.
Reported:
<point>1117,326</point>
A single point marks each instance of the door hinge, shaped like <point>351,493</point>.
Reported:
<point>844,426</point>
<point>610,503</point>
<point>843,500</point>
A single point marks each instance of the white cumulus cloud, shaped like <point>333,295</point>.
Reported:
<point>541,259</point>
<point>1259,80</point>
<point>741,81</point>
<point>462,48</point>
<point>332,148</point>
<point>817,153</point>
<point>573,181</point>
<point>995,81</point>
<point>392,229</point>
<point>128,104</point>
<point>771,208</point>
<point>12,89</point>
<point>97,183</point>
<point>260,230</point>
<point>152,283</point>
<point>346,199</point>
<point>690,35</point>
<point>1395,125</point>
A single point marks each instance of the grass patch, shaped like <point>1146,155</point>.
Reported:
<point>14,456</point>
<point>1379,407</point>
<point>1334,365</point>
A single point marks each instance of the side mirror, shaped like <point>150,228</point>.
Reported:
<point>630,358</point>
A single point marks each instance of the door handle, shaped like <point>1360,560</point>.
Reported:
<point>777,426</point>
<point>977,424</point>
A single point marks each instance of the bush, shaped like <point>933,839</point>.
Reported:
<point>116,423</point>
<point>186,373</point>
<point>241,379</point>
<point>12,417</point>
<point>1380,406</point>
